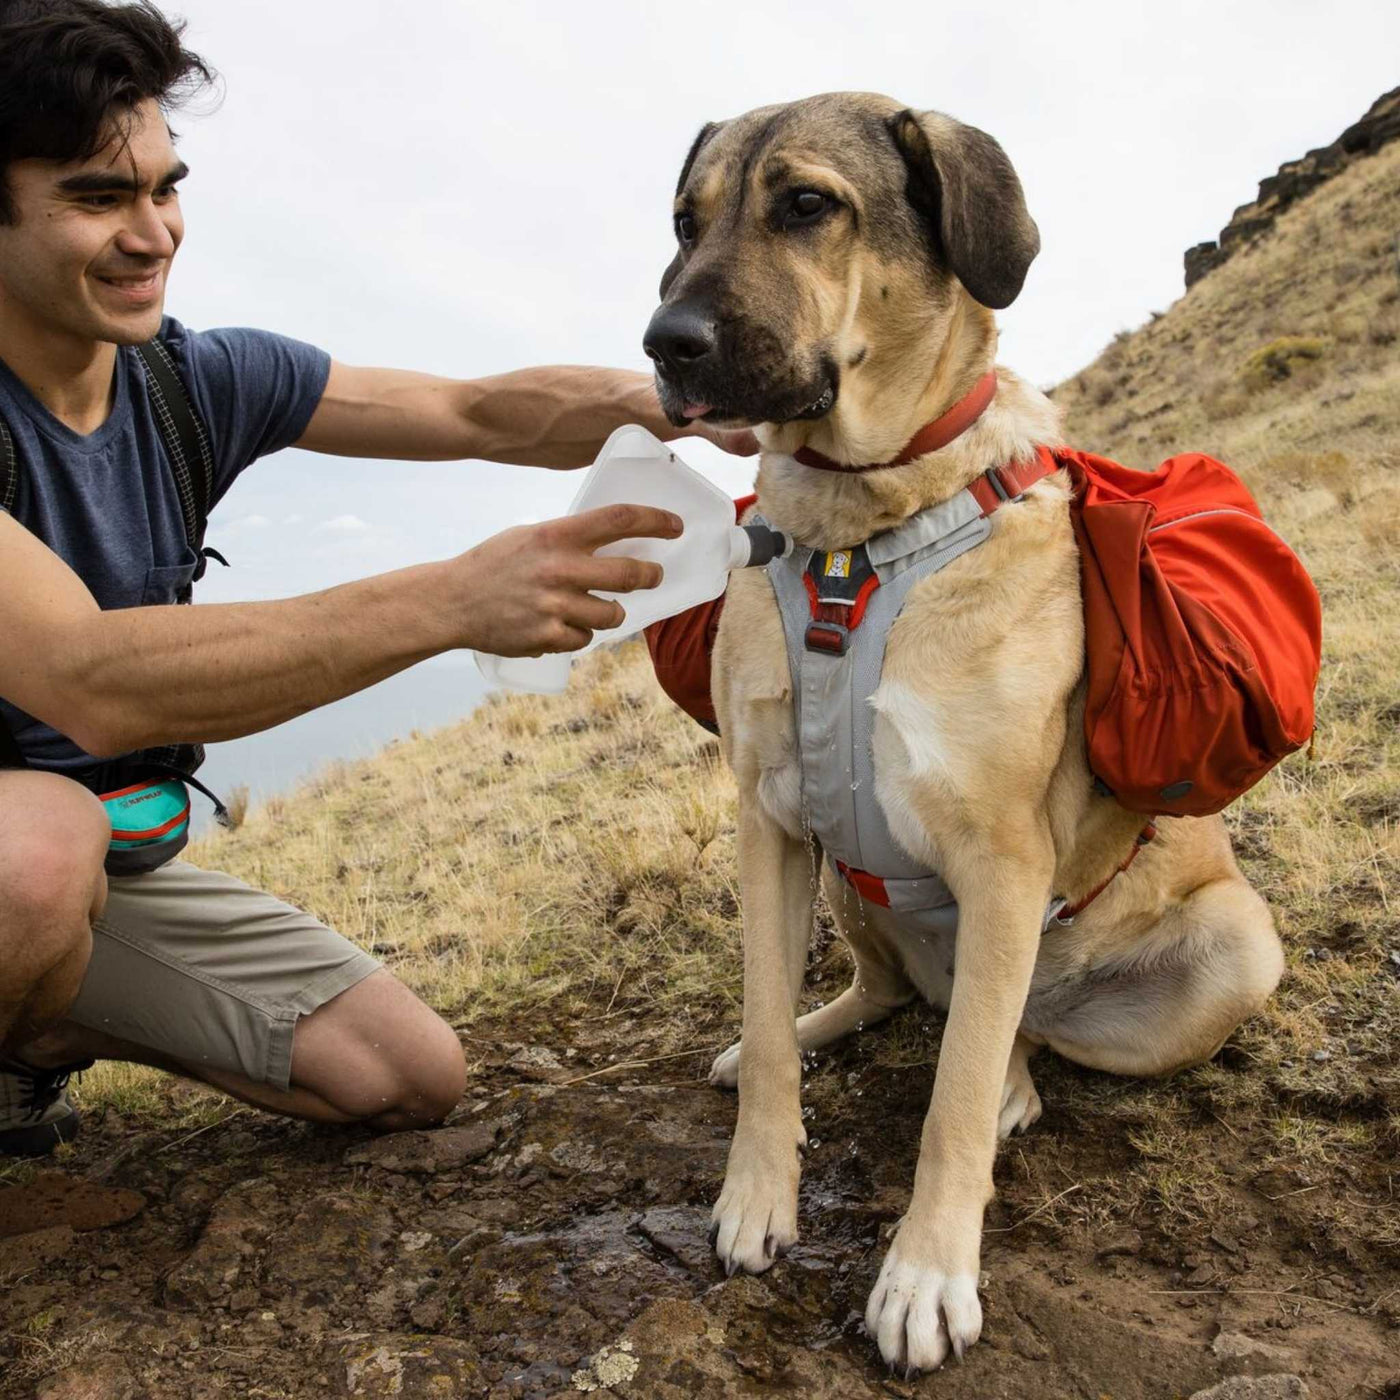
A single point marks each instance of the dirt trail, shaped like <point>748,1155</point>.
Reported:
<point>552,1241</point>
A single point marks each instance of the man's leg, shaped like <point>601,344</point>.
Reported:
<point>374,1054</point>
<point>194,972</point>
<point>53,837</point>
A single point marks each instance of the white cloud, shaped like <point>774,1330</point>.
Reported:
<point>250,522</point>
<point>343,525</point>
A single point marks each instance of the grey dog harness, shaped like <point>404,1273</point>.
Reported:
<point>837,609</point>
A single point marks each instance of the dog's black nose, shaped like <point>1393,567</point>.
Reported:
<point>680,335</point>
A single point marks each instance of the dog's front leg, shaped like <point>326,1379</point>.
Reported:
<point>925,1300</point>
<point>755,1218</point>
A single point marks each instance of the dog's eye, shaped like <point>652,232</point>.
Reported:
<point>685,229</point>
<point>806,206</point>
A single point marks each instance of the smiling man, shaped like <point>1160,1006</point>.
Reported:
<point>120,427</point>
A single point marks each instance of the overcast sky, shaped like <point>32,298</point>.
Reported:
<point>466,188</point>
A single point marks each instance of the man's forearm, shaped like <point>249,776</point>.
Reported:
<point>551,416</point>
<point>161,675</point>
<point>558,416</point>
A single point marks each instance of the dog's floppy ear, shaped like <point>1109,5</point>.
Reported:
<point>696,146</point>
<point>964,188</point>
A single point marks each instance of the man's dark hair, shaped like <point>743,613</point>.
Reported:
<point>72,71</point>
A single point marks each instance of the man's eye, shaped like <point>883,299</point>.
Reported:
<point>807,206</point>
<point>99,201</point>
<point>685,229</point>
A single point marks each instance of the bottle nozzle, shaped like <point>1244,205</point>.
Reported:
<point>753,546</point>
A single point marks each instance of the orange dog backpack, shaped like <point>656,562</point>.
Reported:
<point>1203,635</point>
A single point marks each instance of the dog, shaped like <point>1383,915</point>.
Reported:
<point>839,261</point>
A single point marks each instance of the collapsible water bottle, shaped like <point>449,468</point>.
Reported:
<point>635,468</point>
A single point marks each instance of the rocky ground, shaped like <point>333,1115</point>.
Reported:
<point>551,1240</point>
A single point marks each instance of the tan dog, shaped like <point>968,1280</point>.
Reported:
<point>839,261</point>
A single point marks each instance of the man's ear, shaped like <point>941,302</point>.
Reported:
<point>696,146</point>
<point>964,188</point>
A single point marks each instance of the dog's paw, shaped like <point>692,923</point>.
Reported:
<point>1020,1102</point>
<point>754,1222</point>
<point>724,1073</point>
<point>917,1314</point>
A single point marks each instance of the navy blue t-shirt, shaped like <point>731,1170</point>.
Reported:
<point>107,503</point>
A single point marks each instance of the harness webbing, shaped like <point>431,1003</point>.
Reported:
<point>837,608</point>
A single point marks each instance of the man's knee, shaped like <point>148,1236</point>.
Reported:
<point>53,836</point>
<point>380,1054</point>
<point>432,1081</point>
<point>414,1079</point>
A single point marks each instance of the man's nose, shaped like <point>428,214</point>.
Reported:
<point>147,233</point>
<point>679,336</point>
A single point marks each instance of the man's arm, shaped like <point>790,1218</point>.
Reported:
<point>556,416</point>
<point>135,677</point>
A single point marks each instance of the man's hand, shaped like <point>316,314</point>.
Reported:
<point>530,590</point>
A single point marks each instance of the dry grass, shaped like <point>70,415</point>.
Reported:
<point>575,857</point>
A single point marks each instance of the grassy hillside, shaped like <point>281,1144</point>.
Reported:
<point>565,868</point>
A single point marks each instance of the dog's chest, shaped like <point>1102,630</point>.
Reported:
<point>862,745</point>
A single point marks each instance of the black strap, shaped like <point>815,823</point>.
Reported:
<point>186,443</point>
<point>9,468</point>
<point>10,755</point>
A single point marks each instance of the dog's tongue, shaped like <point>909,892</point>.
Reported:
<point>696,410</point>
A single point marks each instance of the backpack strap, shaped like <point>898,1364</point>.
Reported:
<point>10,755</point>
<point>9,467</point>
<point>186,445</point>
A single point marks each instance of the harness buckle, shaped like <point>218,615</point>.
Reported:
<point>831,638</point>
<point>995,482</point>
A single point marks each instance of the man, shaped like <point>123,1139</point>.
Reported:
<point>188,970</point>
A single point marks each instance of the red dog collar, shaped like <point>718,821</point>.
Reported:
<point>929,438</point>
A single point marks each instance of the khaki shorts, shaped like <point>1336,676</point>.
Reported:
<point>208,971</point>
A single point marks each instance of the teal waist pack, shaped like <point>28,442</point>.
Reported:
<point>150,825</point>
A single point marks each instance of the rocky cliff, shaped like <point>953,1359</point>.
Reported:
<point>1295,179</point>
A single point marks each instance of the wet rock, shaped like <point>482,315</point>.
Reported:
<point>521,1285</point>
<point>336,1242</point>
<point>1235,1346</point>
<point>683,1232</point>
<point>227,1252</point>
<point>392,1365</point>
<point>106,1377</point>
<point>1256,1388</point>
<point>427,1152</point>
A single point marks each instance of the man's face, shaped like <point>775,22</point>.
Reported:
<point>90,253</point>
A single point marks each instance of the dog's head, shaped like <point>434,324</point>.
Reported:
<point>825,247</point>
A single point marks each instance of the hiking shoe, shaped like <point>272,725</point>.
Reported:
<point>35,1115</point>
